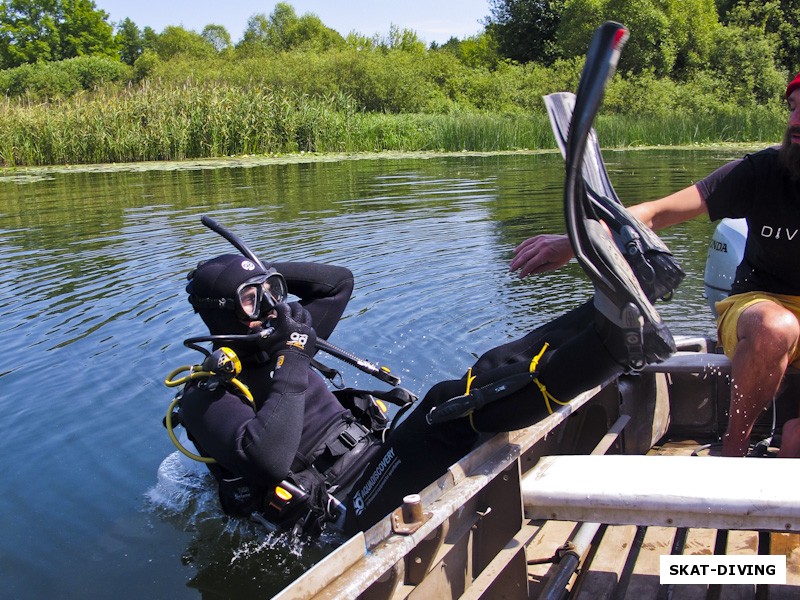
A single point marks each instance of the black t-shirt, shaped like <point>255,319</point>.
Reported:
<point>759,189</point>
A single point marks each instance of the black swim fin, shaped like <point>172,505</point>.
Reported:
<point>652,262</point>
<point>632,330</point>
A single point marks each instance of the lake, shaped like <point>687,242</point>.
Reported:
<point>93,314</point>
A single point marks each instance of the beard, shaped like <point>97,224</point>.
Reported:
<point>789,153</point>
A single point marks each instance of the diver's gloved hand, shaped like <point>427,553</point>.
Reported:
<point>293,331</point>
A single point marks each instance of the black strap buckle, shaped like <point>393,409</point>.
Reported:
<point>350,438</point>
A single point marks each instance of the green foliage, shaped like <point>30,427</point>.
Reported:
<point>175,41</point>
<point>479,51</point>
<point>283,30</point>
<point>692,25</point>
<point>525,30</point>
<point>52,30</point>
<point>579,20</point>
<point>672,38</point>
<point>130,41</point>
<point>63,78</point>
<point>357,41</point>
<point>650,46</point>
<point>293,84</point>
<point>378,80</point>
<point>149,39</point>
<point>218,37</point>
<point>742,59</point>
<point>404,40</point>
<point>777,19</point>
<point>85,31</point>
<point>158,122</point>
<point>145,65</point>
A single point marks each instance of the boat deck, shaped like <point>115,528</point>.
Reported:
<point>623,561</point>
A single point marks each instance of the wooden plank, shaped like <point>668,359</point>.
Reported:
<point>788,544</point>
<point>698,541</point>
<point>645,580</point>
<point>680,448</point>
<point>599,580</point>
<point>740,543</point>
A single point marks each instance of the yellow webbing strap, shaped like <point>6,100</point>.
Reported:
<point>548,397</point>
<point>470,379</point>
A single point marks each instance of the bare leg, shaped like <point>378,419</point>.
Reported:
<point>767,334</point>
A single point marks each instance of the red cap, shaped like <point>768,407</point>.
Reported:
<point>795,83</point>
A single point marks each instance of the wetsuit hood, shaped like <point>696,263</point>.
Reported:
<point>218,280</point>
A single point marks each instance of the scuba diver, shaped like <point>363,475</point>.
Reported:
<point>291,453</point>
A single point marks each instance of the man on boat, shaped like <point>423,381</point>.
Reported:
<point>287,451</point>
<point>759,324</point>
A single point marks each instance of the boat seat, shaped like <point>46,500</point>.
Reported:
<point>699,362</point>
<point>710,492</point>
<point>692,362</point>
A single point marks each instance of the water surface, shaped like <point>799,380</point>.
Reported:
<point>93,313</point>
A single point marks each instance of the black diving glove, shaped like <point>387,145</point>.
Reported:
<point>293,331</point>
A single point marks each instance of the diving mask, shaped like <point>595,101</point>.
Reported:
<point>254,298</point>
<point>257,296</point>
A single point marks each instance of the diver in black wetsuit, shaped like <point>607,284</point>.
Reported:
<point>289,451</point>
<point>300,435</point>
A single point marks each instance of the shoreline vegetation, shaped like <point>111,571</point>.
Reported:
<point>147,122</point>
<point>83,95</point>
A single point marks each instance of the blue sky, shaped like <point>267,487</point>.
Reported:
<point>432,20</point>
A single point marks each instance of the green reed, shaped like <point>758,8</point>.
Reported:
<point>152,122</point>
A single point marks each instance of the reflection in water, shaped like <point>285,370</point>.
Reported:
<point>94,312</point>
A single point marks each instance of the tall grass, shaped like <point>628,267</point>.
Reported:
<point>152,122</point>
<point>758,125</point>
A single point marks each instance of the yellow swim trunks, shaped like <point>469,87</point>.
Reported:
<point>730,309</point>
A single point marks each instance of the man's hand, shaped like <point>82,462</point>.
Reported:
<point>541,253</point>
<point>293,331</point>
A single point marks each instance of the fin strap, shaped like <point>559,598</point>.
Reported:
<point>548,397</point>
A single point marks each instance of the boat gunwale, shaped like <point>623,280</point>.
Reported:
<point>382,548</point>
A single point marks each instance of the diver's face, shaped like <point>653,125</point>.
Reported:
<point>256,302</point>
<point>790,148</point>
<point>248,298</point>
<point>794,116</point>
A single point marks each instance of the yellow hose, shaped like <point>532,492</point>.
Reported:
<point>170,381</point>
<point>178,445</point>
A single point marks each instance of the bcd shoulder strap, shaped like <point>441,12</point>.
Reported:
<point>365,408</point>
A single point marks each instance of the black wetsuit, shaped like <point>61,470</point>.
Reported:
<point>296,412</point>
<point>295,408</point>
<point>416,453</point>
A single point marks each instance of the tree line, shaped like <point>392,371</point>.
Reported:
<point>80,89</point>
<point>681,55</point>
